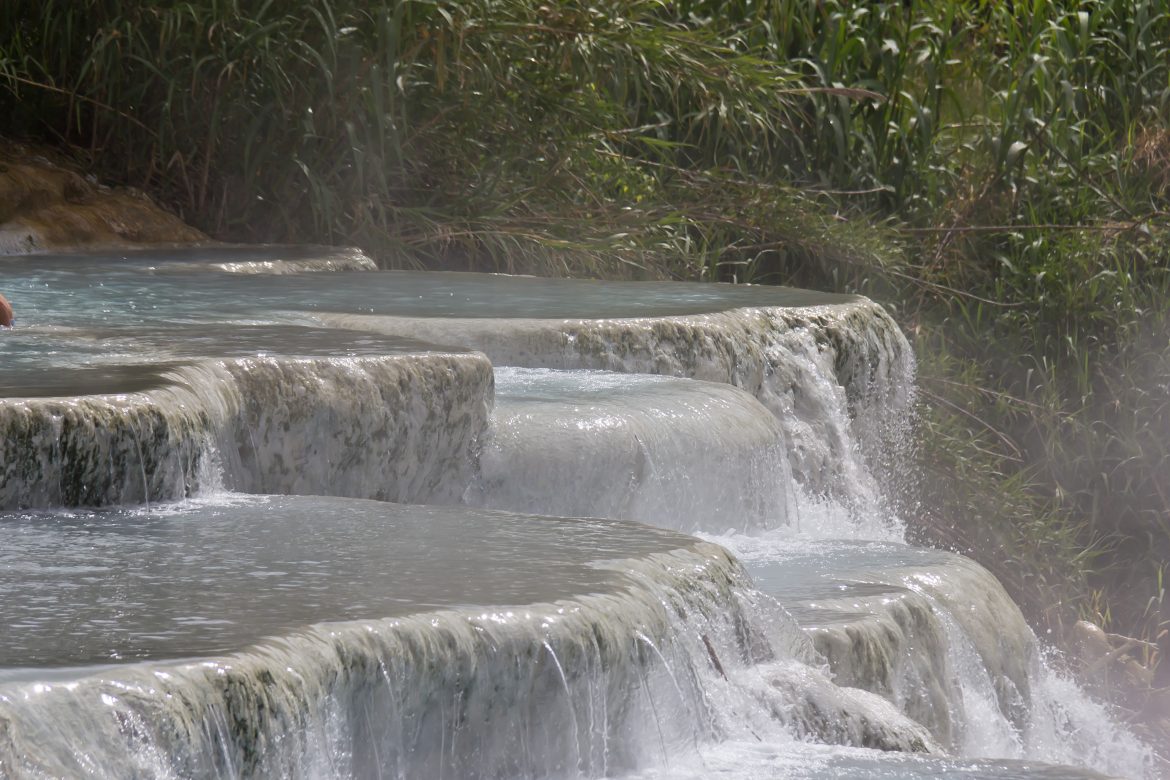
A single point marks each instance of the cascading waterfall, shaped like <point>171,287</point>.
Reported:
<point>324,425</point>
<point>640,669</point>
<point>816,368</point>
<point>936,635</point>
<point>669,452</point>
<point>229,635</point>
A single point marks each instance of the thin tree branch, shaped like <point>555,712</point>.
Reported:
<point>74,96</point>
<point>1003,437</point>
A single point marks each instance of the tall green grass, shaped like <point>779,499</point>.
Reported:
<point>563,137</point>
<point>1024,150</point>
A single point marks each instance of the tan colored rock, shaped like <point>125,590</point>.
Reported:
<point>1110,660</point>
<point>45,206</point>
<point>1091,642</point>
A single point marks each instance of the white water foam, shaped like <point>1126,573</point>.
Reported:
<point>751,760</point>
<point>934,634</point>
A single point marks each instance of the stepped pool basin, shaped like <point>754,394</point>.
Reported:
<point>269,512</point>
<point>80,587</point>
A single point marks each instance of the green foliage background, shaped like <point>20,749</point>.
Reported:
<point>997,172</point>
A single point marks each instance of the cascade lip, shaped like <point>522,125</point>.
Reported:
<point>830,582</point>
<point>600,443</point>
<point>102,289</point>
<point>185,256</point>
<point>121,360</point>
<point>82,587</point>
<point>868,577</point>
<point>101,323</point>
<point>111,313</point>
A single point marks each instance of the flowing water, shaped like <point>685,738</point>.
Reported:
<point>674,453</point>
<point>268,512</point>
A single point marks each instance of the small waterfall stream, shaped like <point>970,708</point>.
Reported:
<point>271,513</point>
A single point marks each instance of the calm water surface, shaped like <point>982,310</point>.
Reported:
<point>80,587</point>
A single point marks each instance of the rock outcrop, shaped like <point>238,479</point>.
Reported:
<point>46,206</point>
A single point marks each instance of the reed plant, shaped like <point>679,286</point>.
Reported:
<point>1025,158</point>
<point>559,138</point>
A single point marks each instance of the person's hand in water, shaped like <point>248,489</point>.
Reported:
<point>7,317</point>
